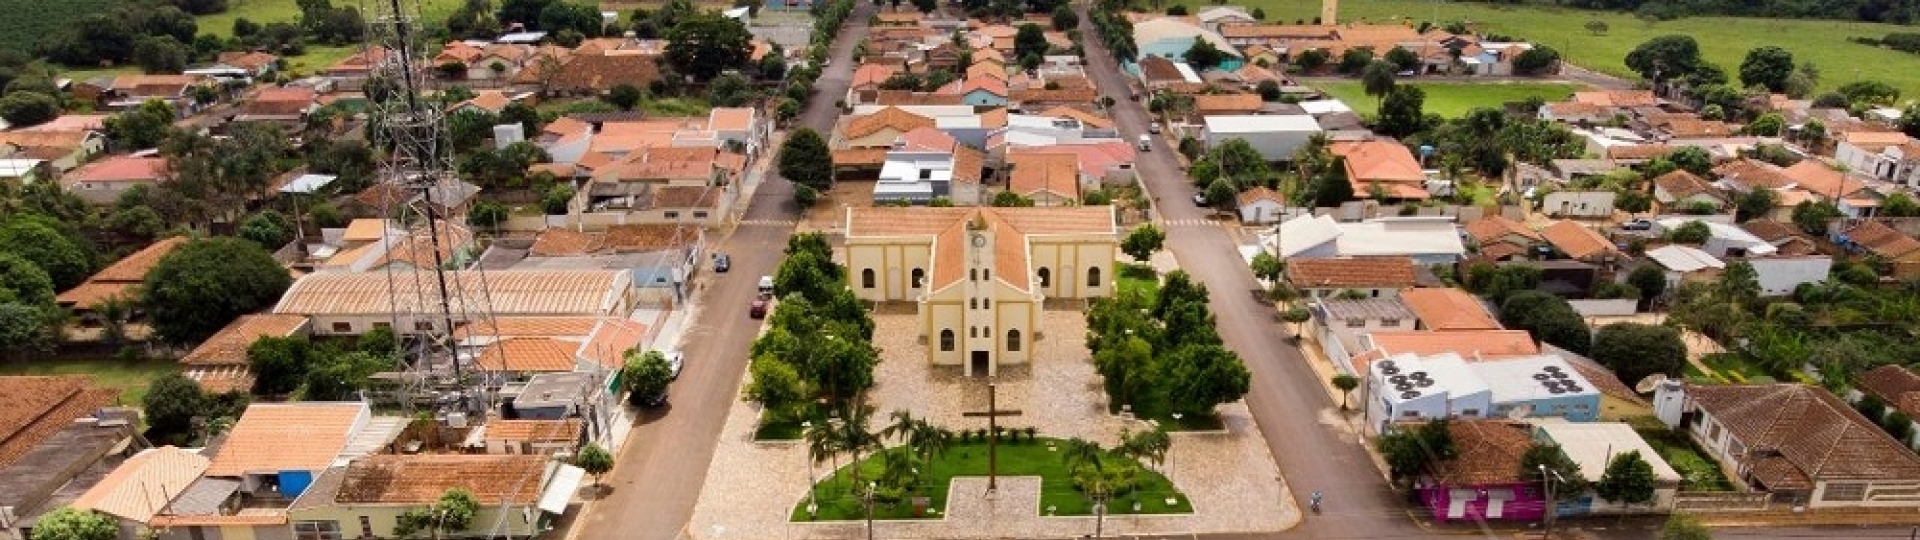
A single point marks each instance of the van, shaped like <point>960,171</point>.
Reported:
<point>766,285</point>
<point>1146,143</point>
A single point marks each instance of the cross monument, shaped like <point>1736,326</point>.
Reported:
<point>992,413</point>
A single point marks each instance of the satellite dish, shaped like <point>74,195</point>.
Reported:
<point>1647,385</point>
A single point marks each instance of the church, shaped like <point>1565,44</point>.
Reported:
<point>978,275</point>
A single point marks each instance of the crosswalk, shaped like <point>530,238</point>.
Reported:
<point>768,223</point>
<point>1192,223</point>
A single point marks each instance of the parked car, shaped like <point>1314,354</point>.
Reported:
<point>1637,224</point>
<point>676,360</point>
<point>1199,199</point>
<point>766,286</point>
<point>758,309</point>
<point>1153,128</point>
<point>657,401</point>
<point>721,263</point>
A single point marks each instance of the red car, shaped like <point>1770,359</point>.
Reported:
<point>759,308</point>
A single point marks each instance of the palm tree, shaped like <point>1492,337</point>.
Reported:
<point>823,443</point>
<point>1078,452</point>
<point>900,469</point>
<point>854,435</point>
<point>903,426</point>
<point>930,441</point>
<point>1150,446</point>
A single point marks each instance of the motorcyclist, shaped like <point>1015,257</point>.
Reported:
<point>1316,501</point>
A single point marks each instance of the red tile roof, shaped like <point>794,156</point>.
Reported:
<point>1494,227</point>
<point>1896,386</point>
<point>118,169</point>
<point>34,408</point>
<point>1681,184</point>
<point>1448,309</point>
<point>422,478</point>
<point>528,355</point>
<point>1882,240</point>
<point>1031,174</point>
<point>1489,453</point>
<point>1380,272</point>
<point>890,117</point>
<point>1816,436</point>
<point>1576,240</point>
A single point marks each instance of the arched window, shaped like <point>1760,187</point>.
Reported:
<point>918,277</point>
<point>986,274</point>
<point>1093,277</point>
<point>973,274</point>
<point>946,340</point>
<point>1013,340</point>
<point>973,331</point>
<point>866,278</point>
<point>1046,277</point>
<point>973,303</point>
<point>986,303</point>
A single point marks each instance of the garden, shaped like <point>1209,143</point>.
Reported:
<point>911,480</point>
<point>1697,471</point>
<point>816,358</point>
<point>1155,347</point>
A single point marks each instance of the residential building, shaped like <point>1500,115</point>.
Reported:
<point>1471,344</point>
<point>520,494</point>
<point>1578,204</point>
<point>101,182</point>
<point>1887,155</point>
<point>1796,442</point>
<point>1260,206</point>
<point>117,280</point>
<point>1383,169</point>
<point>880,129</point>
<point>352,303</point>
<point>1483,480</point>
<point>1411,387</point>
<point>1428,240</point>
<point>56,436</point>
<point>986,269</point>
<point>1226,104</point>
<point>1900,251</point>
<point>142,486</point>
<point>1742,176</point>
<point>1682,264</point>
<point>1097,163</point>
<point>1593,446</point>
<point>925,164</point>
<point>1447,309</point>
<point>595,74</point>
<point>533,437</point>
<point>1046,179</point>
<point>1724,240</point>
<point>1342,324</point>
<point>1781,275</point>
<point>1897,387</point>
<point>1680,191</point>
<point>694,186</point>
<point>1580,243</point>
<point>284,107</point>
<point>1371,277</point>
<point>1276,137</point>
<point>1170,37</point>
<point>257,64</point>
<point>1786,238</point>
<point>1497,238</point>
<point>220,363</point>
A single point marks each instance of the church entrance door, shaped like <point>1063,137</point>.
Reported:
<point>978,366</point>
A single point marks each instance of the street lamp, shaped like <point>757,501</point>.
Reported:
<point>870,487</point>
<point>813,486</point>
<point>1547,476</point>
<point>1099,509</point>
<point>1176,425</point>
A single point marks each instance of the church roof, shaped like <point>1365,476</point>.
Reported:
<point>1011,228</point>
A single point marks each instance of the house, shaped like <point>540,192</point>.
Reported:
<point>1683,264</point>
<point>521,494</point>
<point>595,74</point>
<point>1876,238</point>
<point>1483,480</point>
<point>1447,309</point>
<point>1780,275</point>
<point>359,65</point>
<point>1724,240</point>
<point>63,150</point>
<point>21,172</point>
<point>1680,191</point>
<point>1372,277</point>
<point>1884,155</point>
<point>220,363</point>
<point>1170,37</point>
<point>1578,204</point>
<point>1097,163</point>
<point>986,269</point>
<point>142,486</point>
<point>446,245</point>
<point>286,107</point>
<point>1041,98</point>
<point>1744,175</point>
<point>1447,385</point>
<point>925,164</point>
<point>1276,137</point>
<point>867,80</point>
<point>880,129</point>
<point>1786,238</point>
<point>1046,179</point>
<point>129,91</point>
<point>1342,325</point>
<point>984,91</point>
<point>1497,238</point>
<point>1483,345</point>
<point>532,437</point>
<point>351,303</point>
<point>118,280</point>
<point>1796,442</point>
<point>1579,242</point>
<point>1428,240</point>
<point>1593,446</point>
<point>56,435</point>
<point>1895,386</point>
<point>1157,73</point>
<point>487,101</point>
<point>102,182</point>
<point>257,64</point>
<point>520,357</point>
<point>1383,169</point>
<point>660,185</point>
<point>1226,104</point>
<point>1260,205</point>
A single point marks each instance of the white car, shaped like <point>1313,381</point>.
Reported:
<point>676,360</point>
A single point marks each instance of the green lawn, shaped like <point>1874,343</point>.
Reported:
<point>1024,458</point>
<point>676,107</point>
<point>1697,472</point>
<point>27,20</point>
<point>1141,278</point>
<point>1452,100</point>
<point>270,11</point>
<point>131,378</point>
<point>1723,40</point>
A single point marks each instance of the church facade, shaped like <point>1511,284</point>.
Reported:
<point>978,275</point>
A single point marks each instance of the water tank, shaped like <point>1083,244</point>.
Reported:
<point>505,134</point>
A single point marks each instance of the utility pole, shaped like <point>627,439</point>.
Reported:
<point>870,487</point>
<point>1552,504</point>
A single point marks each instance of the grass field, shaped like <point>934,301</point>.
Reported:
<point>1452,100</point>
<point>1723,40</point>
<point>1024,458</point>
<point>269,11</point>
<point>131,378</point>
<point>27,20</point>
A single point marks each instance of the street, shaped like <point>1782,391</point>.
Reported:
<point>660,471</point>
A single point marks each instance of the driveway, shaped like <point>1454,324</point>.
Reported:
<point>658,474</point>
<point>1286,398</point>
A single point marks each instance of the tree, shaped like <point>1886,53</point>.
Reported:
<point>1767,66</point>
<point>1408,450</point>
<point>159,54</point>
<point>926,6</point>
<point>1355,60</point>
<point>1497,283</point>
<point>1539,60</point>
<point>1871,407</point>
<point>1402,58</point>
<point>487,214</point>
<point>1143,242</point>
<point>1267,267</point>
<point>455,511</point>
<point>624,96</point>
<point>170,405</point>
<point>1812,216</point>
<point>1665,57</point>
<point>1869,92</point>
<point>805,160</point>
<point>22,282</point>
<point>1753,204</point>
<point>1767,125</point>
<point>1650,280</point>
<point>1899,426</point>
<point>1311,60</point>
<point>1628,480</point>
<point>40,240</point>
<point>1203,55</point>
<point>563,16</point>
<point>1692,159</point>
<point>1632,202</point>
<point>269,229</point>
<point>1568,484</point>
<point>775,385</point>
<point>23,327</point>
<point>1685,527</point>
<point>27,108</point>
<point>1693,232</point>
<point>1202,376</point>
<point>1803,81</point>
<point>1345,383</point>
<point>1633,350</point>
<point>647,376</point>
<point>1269,90</point>
<point>204,284</point>
<point>1401,112</point>
<point>1333,188</point>
<point>1597,27</point>
<point>1064,18</point>
<point>1009,199</point>
<point>1548,318</point>
<point>595,460</point>
<point>143,127</point>
<point>1377,79</point>
<point>69,523</point>
<point>1030,39</point>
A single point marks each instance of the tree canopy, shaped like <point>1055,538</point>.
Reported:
<point>1666,57</point>
<point>69,523</point>
<point>1628,479</point>
<point>1633,350</point>
<point>1143,242</point>
<point>1549,318</point>
<point>646,376</point>
<point>804,159</point>
<point>1767,66</point>
<point>206,283</point>
<point>704,44</point>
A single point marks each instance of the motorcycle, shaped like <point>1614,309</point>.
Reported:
<point>1316,502</point>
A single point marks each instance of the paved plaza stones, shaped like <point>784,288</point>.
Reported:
<point>1228,475</point>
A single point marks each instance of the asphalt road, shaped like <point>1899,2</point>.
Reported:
<point>660,471</point>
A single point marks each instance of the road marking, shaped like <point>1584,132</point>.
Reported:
<point>1191,223</point>
<point>768,223</point>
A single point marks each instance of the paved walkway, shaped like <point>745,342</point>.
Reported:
<point>1229,476</point>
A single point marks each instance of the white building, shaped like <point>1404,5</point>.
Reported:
<point>1578,204</point>
<point>1680,263</point>
<point>1407,387</point>
<point>1428,240</point>
<point>1594,445</point>
<point>1276,137</point>
<point>1725,240</point>
<point>1779,276</point>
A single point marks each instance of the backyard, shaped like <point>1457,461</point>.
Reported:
<point>1697,471</point>
<point>1451,100</point>
<point>1723,40</point>
<point>131,378</point>
<point>1027,457</point>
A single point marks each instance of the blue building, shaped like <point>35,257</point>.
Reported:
<point>1170,38</point>
<point>1408,387</point>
